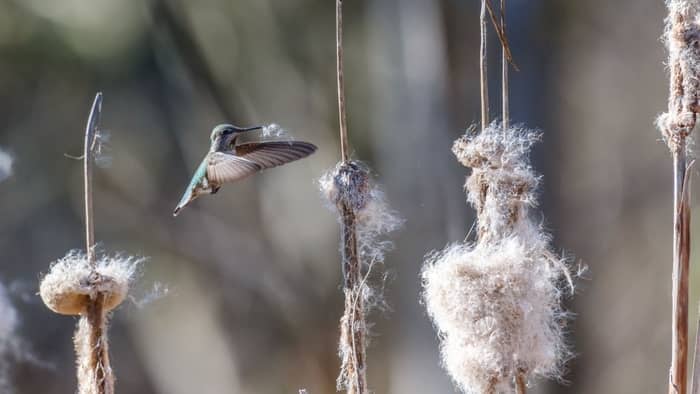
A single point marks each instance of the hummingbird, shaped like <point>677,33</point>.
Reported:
<point>227,161</point>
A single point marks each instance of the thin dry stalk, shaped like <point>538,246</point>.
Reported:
<point>95,317</point>
<point>682,37</point>
<point>681,260</point>
<point>521,383</point>
<point>341,80</point>
<point>504,71</point>
<point>483,76</point>
<point>353,327</point>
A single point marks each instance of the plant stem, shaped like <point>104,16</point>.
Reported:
<point>681,35</point>
<point>98,360</point>
<point>90,131</point>
<point>681,257</point>
<point>482,68</point>
<point>341,81</point>
<point>353,373</point>
<point>520,383</point>
<point>504,71</point>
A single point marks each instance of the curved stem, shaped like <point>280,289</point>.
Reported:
<point>98,360</point>
<point>90,131</point>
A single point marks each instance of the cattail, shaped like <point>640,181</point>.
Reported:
<point>497,303</point>
<point>71,288</point>
<point>364,218</point>
<point>682,38</point>
<point>89,286</point>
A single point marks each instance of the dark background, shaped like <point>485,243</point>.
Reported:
<point>253,273</point>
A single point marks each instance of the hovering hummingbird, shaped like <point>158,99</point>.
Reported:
<point>228,162</point>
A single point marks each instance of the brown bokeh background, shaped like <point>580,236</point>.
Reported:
<point>253,273</point>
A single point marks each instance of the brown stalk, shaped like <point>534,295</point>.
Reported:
<point>353,372</point>
<point>521,383</point>
<point>505,58</point>
<point>483,76</point>
<point>682,37</point>
<point>681,259</point>
<point>501,33</point>
<point>341,81</point>
<point>95,316</point>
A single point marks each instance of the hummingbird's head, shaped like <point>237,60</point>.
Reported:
<point>227,130</point>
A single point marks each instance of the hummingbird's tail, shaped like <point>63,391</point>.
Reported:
<point>186,199</point>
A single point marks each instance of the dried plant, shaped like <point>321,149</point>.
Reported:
<point>364,218</point>
<point>682,38</point>
<point>85,285</point>
<point>496,303</point>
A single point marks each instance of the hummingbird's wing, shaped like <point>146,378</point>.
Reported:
<point>247,159</point>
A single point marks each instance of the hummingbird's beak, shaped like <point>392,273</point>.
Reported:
<point>248,128</point>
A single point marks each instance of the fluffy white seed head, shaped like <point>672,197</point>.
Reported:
<point>350,184</point>
<point>496,303</point>
<point>70,283</point>
<point>682,39</point>
<point>502,185</point>
<point>497,309</point>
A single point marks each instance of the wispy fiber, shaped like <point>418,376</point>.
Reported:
<point>496,303</point>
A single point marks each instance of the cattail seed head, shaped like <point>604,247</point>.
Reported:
<point>347,184</point>
<point>682,39</point>
<point>71,283</point>
<point>497,303</point>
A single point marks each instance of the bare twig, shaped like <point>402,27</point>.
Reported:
<point>501,34</point>
<point>521,382</point>
<point>341,82</point>
<point>483,76</point>
<point>95,315</point>
<point>504,70</point>
<point>681,260</point>
<point>90,131</point>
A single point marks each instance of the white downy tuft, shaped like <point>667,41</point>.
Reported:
<point>497,303</point>
<point>70,283</point>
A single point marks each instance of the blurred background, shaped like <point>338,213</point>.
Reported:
<point>253,274</point>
